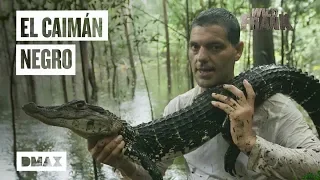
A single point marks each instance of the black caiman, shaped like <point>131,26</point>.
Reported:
<point>188,128</point>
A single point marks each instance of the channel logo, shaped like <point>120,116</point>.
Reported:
<point>41,161</point>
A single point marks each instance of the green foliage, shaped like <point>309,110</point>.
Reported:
<point>311,176</point>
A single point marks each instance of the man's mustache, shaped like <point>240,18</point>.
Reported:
<point>205,68</point>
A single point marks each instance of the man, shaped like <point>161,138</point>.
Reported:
<point>274,139</point>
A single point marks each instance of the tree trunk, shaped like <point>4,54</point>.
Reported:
<point>31,86</point>
<point>282,47</point>
<point>158,59</point>
<point>108,77</point>
<point>74,86</point>
<point>164,3</point>
<point>142,69</point>
<point>286,45</point>
<point>249,51</point>
<point>13,86</point>
<point>131,61</point>
<point>282,39</point>
<point>64,84</point>
<point>92,76</point>
<point>74,82</point>
<point>13,101</point>
<point>293,39</point>
<point>112,57</point>
<point>107,67</point>
<point>263,47</point>
<point>189,69</point>
<point>114,78</point>
<point>85,65</point>
<point>7,63</point>
<point>84,60</point>
<point>32,89</point>
<point>112,52</point>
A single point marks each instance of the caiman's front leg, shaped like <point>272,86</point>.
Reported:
<point>232,152</point>
<point>230,159</point>
<point>151,167</point>
<point>225,131</point>
<point>147,164</point>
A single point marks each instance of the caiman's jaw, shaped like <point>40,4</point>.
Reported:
<point>86,120</point>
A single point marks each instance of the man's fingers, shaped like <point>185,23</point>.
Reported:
<point>250,92</point>
<point>225,107</point>
<point>109,148</point>
<point>118,150</point>
<point>91,143</point>
<point>240,97</point>
<point>115,155</point>
<point>95,146</point>
<point>231,102</point>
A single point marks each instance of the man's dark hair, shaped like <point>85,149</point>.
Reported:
<point>223,18</point>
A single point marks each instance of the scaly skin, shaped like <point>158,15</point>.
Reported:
<point>187,129</point>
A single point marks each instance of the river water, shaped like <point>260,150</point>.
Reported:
<point>33,135</point>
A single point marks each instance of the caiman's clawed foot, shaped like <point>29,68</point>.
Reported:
<point>156,174</point>
<point>230,159</point>
<point>149,165</point>
<point>153,170</point>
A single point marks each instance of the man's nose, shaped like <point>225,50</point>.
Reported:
<point>202,55</point>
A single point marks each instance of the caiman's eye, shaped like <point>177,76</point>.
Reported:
<point>97,109</point>
<point>81,104</point>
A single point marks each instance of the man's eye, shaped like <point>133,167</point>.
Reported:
<point>194,47</point>
<point>216,48</point>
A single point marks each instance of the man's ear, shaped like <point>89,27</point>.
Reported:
<point>239,50</point>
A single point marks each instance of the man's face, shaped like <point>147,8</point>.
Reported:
<point>212,56</point>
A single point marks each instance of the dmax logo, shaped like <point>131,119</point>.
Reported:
<point>41,161</point>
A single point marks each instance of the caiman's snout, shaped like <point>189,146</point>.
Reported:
<point>30,108</point>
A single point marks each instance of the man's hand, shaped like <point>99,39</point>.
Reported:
<point>240,113</point>
<point>108,151</point>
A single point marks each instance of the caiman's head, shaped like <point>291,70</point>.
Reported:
<point>86,120</point>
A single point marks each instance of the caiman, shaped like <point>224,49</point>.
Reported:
<point>188,128</point>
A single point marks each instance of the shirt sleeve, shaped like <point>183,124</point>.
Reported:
<point>296,151</point>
